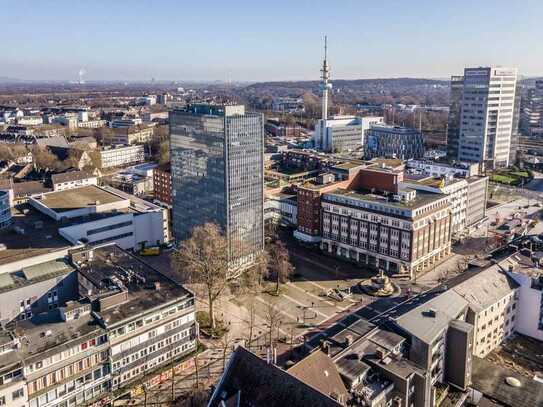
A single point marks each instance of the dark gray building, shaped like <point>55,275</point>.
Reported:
<point>453,124</point>
<point>394,142</point>
<point>217,164</point>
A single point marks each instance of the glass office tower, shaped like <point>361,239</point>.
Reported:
<point>217,164</point>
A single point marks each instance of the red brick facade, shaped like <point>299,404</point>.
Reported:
<point>162,180</point>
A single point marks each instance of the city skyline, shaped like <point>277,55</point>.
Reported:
<point>133,41</point>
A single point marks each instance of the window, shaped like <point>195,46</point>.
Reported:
<point>18,393</point>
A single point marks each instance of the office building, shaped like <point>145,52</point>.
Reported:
<point>453,124</point>
<point>380,224</point>
<point>531,120</point>
<point>217,164</point>
<point>121,155</point>
<point>487,113</point>
<point>95,215</point>
<point>393,142</point>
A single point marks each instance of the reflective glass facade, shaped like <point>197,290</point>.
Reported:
<point>217,174</point>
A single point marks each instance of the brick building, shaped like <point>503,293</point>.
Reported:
<point>162,180</point>
<point>402,233</point>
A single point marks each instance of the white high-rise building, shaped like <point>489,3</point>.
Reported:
<point>487,115</point>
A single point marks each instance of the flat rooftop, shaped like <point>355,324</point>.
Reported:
<point>421,199</point>
<point>72,199</point>
<point>111,261</point>
<point>38,234</point>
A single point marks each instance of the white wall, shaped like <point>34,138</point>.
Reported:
<point>529,308</point>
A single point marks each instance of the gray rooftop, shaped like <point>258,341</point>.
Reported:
<point>429,319</point>
<point>486,288</point>
<point>83,197</point>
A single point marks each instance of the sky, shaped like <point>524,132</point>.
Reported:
<point>242,40</point>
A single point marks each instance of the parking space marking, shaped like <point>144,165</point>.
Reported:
<point>304,305</point>
<point>291,284</point>
<point>320,287</point>
<point>288,314</point>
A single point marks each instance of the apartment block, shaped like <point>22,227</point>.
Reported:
<point>85,328</point>
<point>129,136</point>
<point>121,155</point>
<point>162,184</point>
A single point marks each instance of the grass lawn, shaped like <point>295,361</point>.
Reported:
<point>504,179</point>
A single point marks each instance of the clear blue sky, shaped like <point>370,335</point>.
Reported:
<point>265,40</point>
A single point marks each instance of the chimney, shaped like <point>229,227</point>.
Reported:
<point>325,346</point>
<point>348,340</point>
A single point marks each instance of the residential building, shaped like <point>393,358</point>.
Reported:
<point>217,163</point>
<point>531,120</point>
<point>70,340</point>
<point>487,116</point>
<point>125,122</point>
<point>92,124</point>
<point>72,179</point>
<point>95,215</point>
<point>377,223</point>
<point>525,268</point>
<point>278,129</point>
<point>492,300</point>
<point>30,120</point>
<point>121,155</point>
<point>453,124</point>
<point>439,169</point>
<point>128,135</point>
<point>394,142</point>
<point>249,380</point>
<point>162,183</point>
<point>287,104</point>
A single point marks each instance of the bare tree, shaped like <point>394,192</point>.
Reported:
<point>226,342</point>
<point>253,276</point>
<point>273,320</point>
<point>251,322</point>
<point>280,266</point>
<point>203,259</point>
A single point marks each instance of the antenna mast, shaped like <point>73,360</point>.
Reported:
<point>325,85</point>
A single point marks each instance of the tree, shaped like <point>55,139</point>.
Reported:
<point>45,160</point>
<point>273,320</point>
<point>203,259</point>
<point>252,277</point>
<point>280,266</point>
<point>251,323</point>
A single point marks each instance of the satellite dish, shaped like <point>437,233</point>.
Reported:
<point>513,381</point>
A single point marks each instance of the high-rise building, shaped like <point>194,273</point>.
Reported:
<point>217,165</point>
<point>453,125</point>
<point>531,121</point>
<point>487,116</point>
